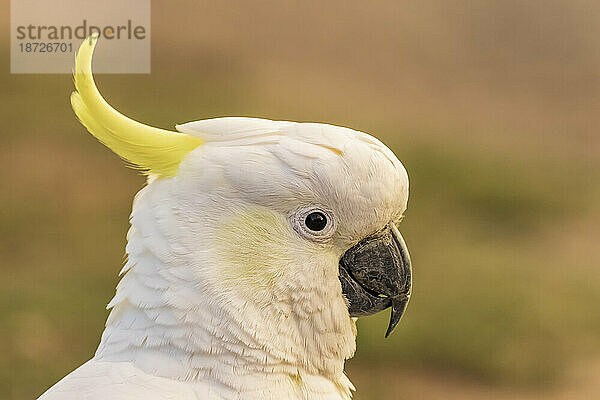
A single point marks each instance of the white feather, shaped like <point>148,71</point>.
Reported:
<point>220,298</point>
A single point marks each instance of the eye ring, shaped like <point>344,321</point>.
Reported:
<point>314,223</point>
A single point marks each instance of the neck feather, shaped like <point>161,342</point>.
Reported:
<point>168,324</point>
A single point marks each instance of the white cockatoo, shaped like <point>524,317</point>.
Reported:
<point>252,250</point>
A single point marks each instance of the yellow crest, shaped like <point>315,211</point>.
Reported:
<point>152,150</point>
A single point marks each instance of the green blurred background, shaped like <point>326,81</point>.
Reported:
<point>493,106</point>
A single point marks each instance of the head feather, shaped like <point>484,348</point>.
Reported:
<point>152,150</point>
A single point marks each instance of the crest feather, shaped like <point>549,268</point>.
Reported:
<point>152,150</point>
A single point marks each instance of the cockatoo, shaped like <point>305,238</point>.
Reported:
<point>252,250</point>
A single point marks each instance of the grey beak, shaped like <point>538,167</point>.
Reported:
<point>376,274</point>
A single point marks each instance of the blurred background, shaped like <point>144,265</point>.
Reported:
<point>493,106</point>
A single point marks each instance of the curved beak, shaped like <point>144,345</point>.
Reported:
<point>376,274</point>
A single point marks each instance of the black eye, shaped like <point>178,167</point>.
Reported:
<point>316,221</point>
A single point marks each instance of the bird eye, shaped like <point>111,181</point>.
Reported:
<point>316,221</point>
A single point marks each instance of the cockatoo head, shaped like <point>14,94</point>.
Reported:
<point>288,206</point>
<point>270,233</point>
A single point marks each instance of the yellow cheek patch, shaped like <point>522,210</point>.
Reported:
<point>254,247</point>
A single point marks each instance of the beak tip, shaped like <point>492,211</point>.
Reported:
<point>390,329</point>
<point>398,308</point>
